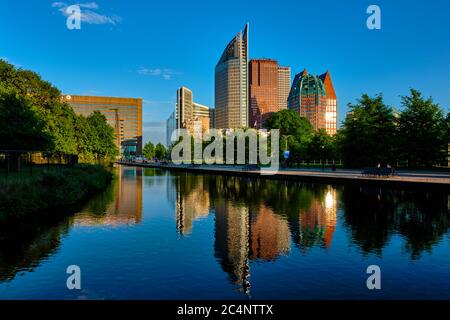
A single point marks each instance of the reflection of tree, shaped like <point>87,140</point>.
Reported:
<point>373,215</point>
<point>24,247</point>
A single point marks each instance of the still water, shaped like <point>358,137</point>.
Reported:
<point>160,235</point>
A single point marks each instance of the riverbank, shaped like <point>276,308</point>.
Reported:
<point>402,179</point>
<point>47,190</point>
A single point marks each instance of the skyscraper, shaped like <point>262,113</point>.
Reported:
<point>231,84</point>
<point>189,115</point>
<point>263,91</point>
<point>284,86</point>
<point>185,108</point>
<point>314,98</point>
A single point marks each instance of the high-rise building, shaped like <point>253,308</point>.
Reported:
<point>314,98</point>
<point>231,84</point>
<point>123,114</point>
<point>189,115</point>
<point>263,91</point>
<point>284,86</point>
<point>185,108</point>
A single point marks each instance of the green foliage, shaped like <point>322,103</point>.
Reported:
<point>422,131</point>
<point>368,134</point>
<point>92,139</point>
<point>160,151</point>
<point>20,126</point>
<point>149,150</point>
<point>295,131</point>
<point>49,190</point>
<point>321,146</point>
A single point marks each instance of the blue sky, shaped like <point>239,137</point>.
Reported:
<point>147,49</point>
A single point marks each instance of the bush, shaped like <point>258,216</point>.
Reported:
<point>51,190</point>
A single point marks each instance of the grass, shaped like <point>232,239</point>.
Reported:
<point>24,195</point>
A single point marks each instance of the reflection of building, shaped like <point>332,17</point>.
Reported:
<point>125,207</point>
<point>270,235</point>
<point>231,84</point>
<point>314,98</point>
<point>238,239</point>
<point>232,242</point>
<point>318,223</point>
<point>191,204</point>
<point>123,114</point>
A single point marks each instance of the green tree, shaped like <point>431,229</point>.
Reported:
<point>20,126</point>
<point>149,150</point>
<point>422,131</point>
<point>102,137</point>
<point>59,118</point>
<point>368,133</point>
<point>160,151</point>
<point>295,131</point>
<point>321,146</point>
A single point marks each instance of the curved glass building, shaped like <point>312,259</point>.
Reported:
<point>231,84</point>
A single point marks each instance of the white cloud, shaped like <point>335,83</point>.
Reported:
<point>87,14</point>
<point>166,74</point>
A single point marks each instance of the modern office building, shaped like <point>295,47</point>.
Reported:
<point>284,86</point>
<point>231,84</point>
<point>123,114</point>
<point>189,115</point>
<point>269,86</point>
<point>314,98</point>
<point>185,108</point>
<point>263,91</point>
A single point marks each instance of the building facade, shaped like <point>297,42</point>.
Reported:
<point>231,84</point>
<point>189,115</point>
<point>123,114</point>
<point>284,87</point>
<point>185,108</point>
<point>263,91</point>
<point>314,98</point>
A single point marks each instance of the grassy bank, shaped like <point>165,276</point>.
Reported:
<point>47,190</point>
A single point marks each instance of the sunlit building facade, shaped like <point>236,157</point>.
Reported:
<point>284,86</point>
<point>314,98</point>
<point>263,91</point>
<point>189,115</point>
<point>231,84</point>
<point>123,114</point>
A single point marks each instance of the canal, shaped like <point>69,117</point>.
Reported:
<point>160,235</point>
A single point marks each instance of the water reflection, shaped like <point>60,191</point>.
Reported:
<point>251,224</point>
<point>23,247</point>
<point>120,205</point>
<point>257,220</point>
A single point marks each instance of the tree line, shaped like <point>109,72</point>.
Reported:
<point>34,118</point>
<point>373,133</point>
<point>151,151</point>
<point>417,136</point>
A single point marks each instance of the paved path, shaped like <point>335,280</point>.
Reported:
<point>416,178</point>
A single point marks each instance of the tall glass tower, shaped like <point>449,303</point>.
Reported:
<point>231,84</point>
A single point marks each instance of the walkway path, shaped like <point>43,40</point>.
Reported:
<point>402,178</point>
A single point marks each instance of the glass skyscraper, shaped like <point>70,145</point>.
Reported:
<point>231,84</point>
